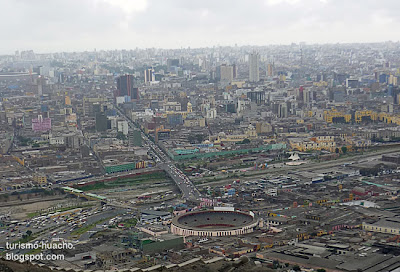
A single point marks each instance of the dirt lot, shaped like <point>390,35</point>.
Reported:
<point>21,211</point>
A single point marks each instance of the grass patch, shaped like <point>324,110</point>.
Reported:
<point>129,223</point>
<point>35,251</point>
<point>72,208</point>
<point>121,182</point>
<point>33,214</point>
<point>26,239</point>
<point>86,228</point>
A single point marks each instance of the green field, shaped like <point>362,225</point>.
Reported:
<point>86,228</point>
<point>130,223</point>
<point>37,213</point>
<point>122,182</point>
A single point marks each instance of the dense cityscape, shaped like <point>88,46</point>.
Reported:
<point>199,136</point>
<point>241,158</point>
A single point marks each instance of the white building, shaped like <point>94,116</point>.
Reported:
<point>211,113</point>
<point>60,140</point>
<point>123,127</point>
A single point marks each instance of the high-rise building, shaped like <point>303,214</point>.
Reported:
<point>395,94</point>
<point>126,86</point>
<point>101,121</point>
<point>235,71</point>
<point>41,82</point>
<point>270,69</point>
<point>308,96</point>
<point>352,83</point>
<point>392,80</point>
<point>149,75</point>
<point>172,63</point>
<point>122,126</point>
<point>225,73</point>
<point>254,75</point>
<point>256,96</point>
<point>135,138</point>
<point>283,110</point>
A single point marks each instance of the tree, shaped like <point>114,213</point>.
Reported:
<point>29,232</point>
<point>296,268</point>
<point>196,139</point>
<point>246,141</point>
<point>321,270</point>
<point>344,149</point>
<point>121,136</point>
<point>200,138</point>
<point>337,150</point>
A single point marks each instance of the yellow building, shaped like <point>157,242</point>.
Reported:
<point>395,119</point>
<point>194,121</point>
<point>321,84</point>
<point>383,226</point>
<point>40,179</point>
<point>325,139</point>
<point>250,133</point>
<point>365,113</point>
<point>189,107</point>
<point>330,115</point>
<point>307,144</point>
<point>67,100</point>
<point>183,113</point>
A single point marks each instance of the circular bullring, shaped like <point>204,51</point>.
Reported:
<point>214,223</point>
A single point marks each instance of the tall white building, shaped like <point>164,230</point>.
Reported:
<point>123,127</point>
<point>149,75</point>
<point>254,74</point>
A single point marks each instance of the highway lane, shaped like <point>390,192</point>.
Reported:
<point>188,189</point>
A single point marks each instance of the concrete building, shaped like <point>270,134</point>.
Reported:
<point>225,73</point>
<point>123,127</point>
<point>213,223</point>
<point>194,121</point>
<point>254,73</point>
<point>126,86</point>
<point>41,124</point>
<point>386,225</point>
<point>149,75</point>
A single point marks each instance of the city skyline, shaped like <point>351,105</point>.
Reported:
<point>104,24</point>
<point>184,135</point>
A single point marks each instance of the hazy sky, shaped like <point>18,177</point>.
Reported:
<point>78,25</point>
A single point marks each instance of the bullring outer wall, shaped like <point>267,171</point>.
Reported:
<point>179,229</point>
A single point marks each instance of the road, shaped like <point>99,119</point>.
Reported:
<point>188,189</point>
<point>308,167</point>
<point>56,229</point>
<point>186,186</point>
